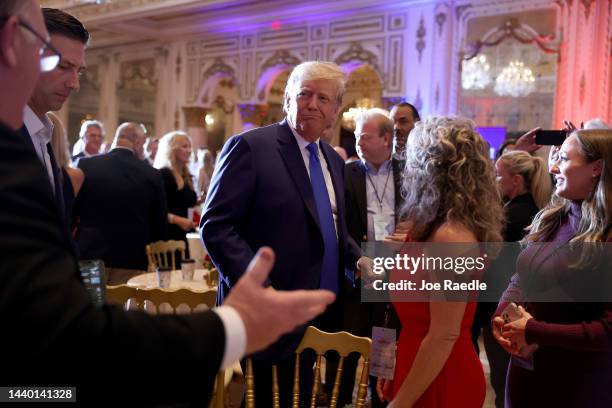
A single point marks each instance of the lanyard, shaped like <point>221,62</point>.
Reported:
<point>379,198</point>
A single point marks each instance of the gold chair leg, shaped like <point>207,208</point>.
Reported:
<point>250,383</point>
<point>275,395</point>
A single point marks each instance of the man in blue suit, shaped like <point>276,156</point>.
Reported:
<point>282,186</point>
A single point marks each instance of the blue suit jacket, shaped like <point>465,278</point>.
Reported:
<point>261,195</point>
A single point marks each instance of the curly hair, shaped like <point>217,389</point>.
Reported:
<point>449,177</point>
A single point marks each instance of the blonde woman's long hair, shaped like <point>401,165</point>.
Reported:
<point>59,141</point>
<point>596,208</point>
<point>534,172</point>
<point>449,176</point>
<point>166,156</point>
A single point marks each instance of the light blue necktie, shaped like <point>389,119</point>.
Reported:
<point>329,269</point>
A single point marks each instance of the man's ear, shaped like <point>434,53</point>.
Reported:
<point>8,53</point>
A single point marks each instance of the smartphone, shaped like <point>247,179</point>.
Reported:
<point>550,137</point>
<point>511,313</point>
<point>93,276</point>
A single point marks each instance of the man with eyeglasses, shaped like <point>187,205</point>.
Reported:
<point>53,335</point>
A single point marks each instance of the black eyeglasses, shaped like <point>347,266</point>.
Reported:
<point>47,62</point>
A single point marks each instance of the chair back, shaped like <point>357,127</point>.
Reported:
<point>123,294</point>
<point>163,253</point>
<point>176,297</point>
<point>320,342</point>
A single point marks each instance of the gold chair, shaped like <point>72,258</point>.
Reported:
<point>342,342</point>
<point>120,295</point>
<point>162,253</point>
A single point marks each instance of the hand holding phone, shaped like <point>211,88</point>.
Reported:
<point>511,313</point>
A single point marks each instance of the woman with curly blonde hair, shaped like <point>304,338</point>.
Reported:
<point>569,342</point>
<point>172,159</point>
<point>450,197</point>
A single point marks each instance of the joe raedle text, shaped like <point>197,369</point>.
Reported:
<point>425,285</point>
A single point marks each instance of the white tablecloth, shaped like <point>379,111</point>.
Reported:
<point>149,280</point>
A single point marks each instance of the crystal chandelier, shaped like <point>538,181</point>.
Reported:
<point>362,105</point>
<point>515,80</point>
<point>475,73</point>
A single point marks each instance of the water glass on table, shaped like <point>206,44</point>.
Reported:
<point>163,277</point>
<point>187,269</point>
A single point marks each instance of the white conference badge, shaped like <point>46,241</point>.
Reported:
<point>382,363</point>
<point>380,227</point>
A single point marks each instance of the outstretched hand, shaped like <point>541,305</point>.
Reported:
<point>267,313</point>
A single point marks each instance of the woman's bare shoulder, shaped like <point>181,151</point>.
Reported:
<point>453,232</point>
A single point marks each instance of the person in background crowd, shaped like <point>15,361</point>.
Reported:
<point>569,343</point>
<point>150,149</point>
<point>447,177</point>
<point>282,186</point>
<point>54,326</point>
<point>404,116</point>
<point>92,134</point>
<point>525,187</point>
<point>373,199</point>
<point>72,178</point>
<point>507,146</point>
<point>121,206</point>
<point>205,173</point>
<point>172,159</point>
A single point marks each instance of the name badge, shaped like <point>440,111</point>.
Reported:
<point>382,363</point>
<point>381,230</point>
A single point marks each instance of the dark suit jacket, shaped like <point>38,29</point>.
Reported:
<point>54,335</point>
<point>122,208</point>
<point>360,317</point>
<point>78,156</point>
<point>261,195</point>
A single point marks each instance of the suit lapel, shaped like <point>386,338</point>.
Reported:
<point>396,166</point>
<point>358,182</point>
<point>290,152</point>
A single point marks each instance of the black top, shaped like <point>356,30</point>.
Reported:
<point>179,202</point>
<point>519,215</point>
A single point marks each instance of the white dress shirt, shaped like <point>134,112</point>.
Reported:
<point>40,132</point>
<point>380,197</point>
<point>302,143</point>
<point>235,335</point>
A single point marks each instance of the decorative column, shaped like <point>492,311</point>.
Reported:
<point>252,115</point>
<point>108,109</point>
<point>195,119</point>
<point>585,69</point>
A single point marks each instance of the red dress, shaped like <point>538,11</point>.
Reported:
<point>461,383</point>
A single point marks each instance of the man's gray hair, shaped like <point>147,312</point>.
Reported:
<point>129,131</point>
<point>11,7</point>
<point>385,124</point>
<point>87,124</point>
<point>313,70</point>
<point>596,123</point>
